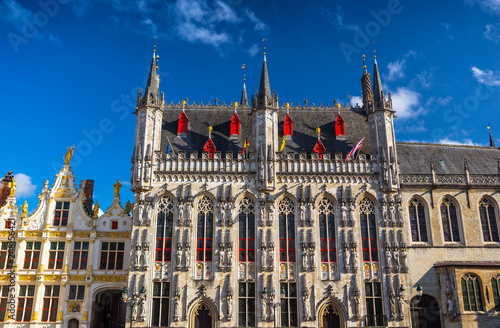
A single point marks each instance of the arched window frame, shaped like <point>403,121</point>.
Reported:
<point>204,229</point>
<point>288,126</point>
<point>368,223</point>
<point>327,230</point>
<point>495,287</point>
<point>418,216</point>
<point>164,229</point>
<point>235,125</point>
<point>450,222</point>
<point>472,293</point>
<point>488,215</point>
<point>339,126</point>
<point>246,230</point>
<point>182,124</point>
<point>286,232</point>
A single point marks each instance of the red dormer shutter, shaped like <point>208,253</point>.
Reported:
<point>339,126</point>
<point>288,126</point>
<point>210,147</point>
<point>235,125</point>
<point>182,125</point>
<point>320,149</point>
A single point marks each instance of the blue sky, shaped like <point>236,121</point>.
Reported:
<point>72,70</point>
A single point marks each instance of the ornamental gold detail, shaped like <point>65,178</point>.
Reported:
<point>52,278</point>
<point>4,233</point>
<point>33,234</point>
<point>81,234</point>
<point>125,234</point>
<point>74,307</point>
<point>76,277</point>
<point>63,193</point>
<point>107,278</point>
<point>4,278</point>
<point>59,316</point>
<point>85,316</point>
<point>56,234</point>
<point>27,278</point>
<point>35,316</point>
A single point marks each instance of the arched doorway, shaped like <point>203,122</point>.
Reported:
<point>427,313</point>
<point>331,317</point>
<point>203,317</point>
<point>108,310</point>
<point>73,323</point>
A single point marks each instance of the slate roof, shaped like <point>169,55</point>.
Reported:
<point>305,122</point>
<point>415,158</point>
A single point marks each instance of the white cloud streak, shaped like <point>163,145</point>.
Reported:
<point>25,188</point>
<point>487,77</point>
<point>397,68</point>
<point>407,103</point>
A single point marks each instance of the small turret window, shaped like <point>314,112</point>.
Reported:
<point>339,126</point>
<point>288,126</point>
<point>235,125</point>
<point>182,125</point>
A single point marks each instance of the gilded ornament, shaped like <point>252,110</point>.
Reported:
<point>27,278</point>
<point>35,316</point>
<point>57,234</point>
<point>69,154</point>
<point>24,209</point>
<point>96,209</point>
<point>76,278</point>
<point>117,187</point>
<point>59,316</point>
<point>12,186</point>
<point>82,234</point>
<point>85,316</point>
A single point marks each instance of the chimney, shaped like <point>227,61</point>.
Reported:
<point>89,191</point>
<point>5,189</point>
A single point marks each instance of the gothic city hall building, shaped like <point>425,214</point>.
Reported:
<point>262,214</point>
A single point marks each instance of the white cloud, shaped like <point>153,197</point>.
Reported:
<point>24,186</point>
<point>338,19</point>
<point>446,25</point>
<point>487,77</point>
<point>491,32</point>
<point>465,142</point>
<point>357,100</point>
<point>254,49</point>
<point>150,25</point>
<point>490,6</point>
<point>406,103</point>
<point>397,68</point>
<point>424,78</point>
<point>259,25</point>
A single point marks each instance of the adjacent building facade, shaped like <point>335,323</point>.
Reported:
<point>257,215</point>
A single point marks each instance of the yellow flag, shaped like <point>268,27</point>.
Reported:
<point>282,143</point>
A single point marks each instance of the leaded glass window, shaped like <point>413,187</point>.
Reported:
<point>488,220</point>
<point>368,230</point>
<point>287,232</point>
<point>327,232</point>
<point>471,292</point>
<point>450,220</point>
<point>205,229</point>
<point>417,221</point>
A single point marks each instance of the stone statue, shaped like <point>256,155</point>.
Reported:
<point>388,258</point>
<point>222,261</point>
<point>229,207</point>
<point>134,313</point>
<point>385,168</point>
<point>128,207</point>
<point>311,220</point>
<point>405,258</point>
<point>68,155</point>
<point>188,214</point>
<point>230,256</point>
<point>222,219</point>
<point>450,303</point>
<point>346,255</point>
<point>187,254</point>
<point>145,257</point>
<point>304,257</point>
<point>263,256</point>
<point>397,264</point>
<point>261,169</point>
<point>271,213</point>
<point>302,207</point>
<point>262,216</point>
<point>178,256</point>
<point>24,209</point>
<point>149,213</point>
<point>177,306</point>
<point>394,168</point>
<point>401,305</point>
<point>354,258</point>
<point>96,209</point>
<point>392,304</point>
<point>270,170</point>
<point>271,256</point>
<point>312,254</point>
<point>117,187</point>
<point>180,212</point>
<point>263,304</point>
<point>137,256</point>
<point>229,299</point>
<point>400,214</point>
<point>392,213</point>
<point>140,212</point>
<point>351,213</point>
<point>142,316</point>
<point>343,214</point>
<point>356,303</point>
<point>385,215</point>
<point>307,312</point>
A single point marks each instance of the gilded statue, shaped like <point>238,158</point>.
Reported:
<point>128,206</point>
<point>117,187</point>
<point>96,209</point>
<point>69,154</point>
<point>12,186</point>
<point>24,209</point>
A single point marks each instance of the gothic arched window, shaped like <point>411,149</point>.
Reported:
<point>449,219</point>
<point>488,220</point>
<point>287,232</point>
<point>164,229</point>
<point>327,231</point>
<point>495,286</point>
<point>471,292</point>
<point>246,235</point>
<point>182,124</point>
<point>288,126</point>
<point>205,229</point>
<point>368,230</point>
<point>235,125</point>
<point>417,220</point>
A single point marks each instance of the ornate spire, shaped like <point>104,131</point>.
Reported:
<point>244,99</point>
<point>492,142</point>
<point>152,92</point>
<point>378,91</point>
<point>264,89</point>
<point>366,88</point>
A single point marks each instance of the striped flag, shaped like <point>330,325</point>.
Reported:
<point>245,146</point>
<point>359,145</point>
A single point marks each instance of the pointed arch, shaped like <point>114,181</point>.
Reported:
<point>418,214</point>
<point>488,215</point>
<point>286,227</point>
<point>199,304</point>
<point>322,195</point>
<point>449,209</point>
<point>332,305</point>
<point>339,126</point>
<point>288,126</point>
<point>166,207</point>
<point>235,125</point>
<point>182,124</point>
<point>326,208</point>
<point>205,209</point>
<point>472,291</point>
<point>368,224</point>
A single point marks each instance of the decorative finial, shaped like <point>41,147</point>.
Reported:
<point>244,73</point>
<point>264,43</point>
<point>184,104</point>
<point>318,131</point>
<point>235,106</point>
<point>68,155</point>
<point>374,51</point>
<point>364,64</point>
<point>210,128</point>
<point>287,107</point>
<point>338,107</point>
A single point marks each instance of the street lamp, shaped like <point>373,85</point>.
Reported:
<point>275,305</point>
<point>415,301</point>
<point>133,302</point>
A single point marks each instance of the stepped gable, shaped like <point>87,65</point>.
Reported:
<point>415,158</point>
